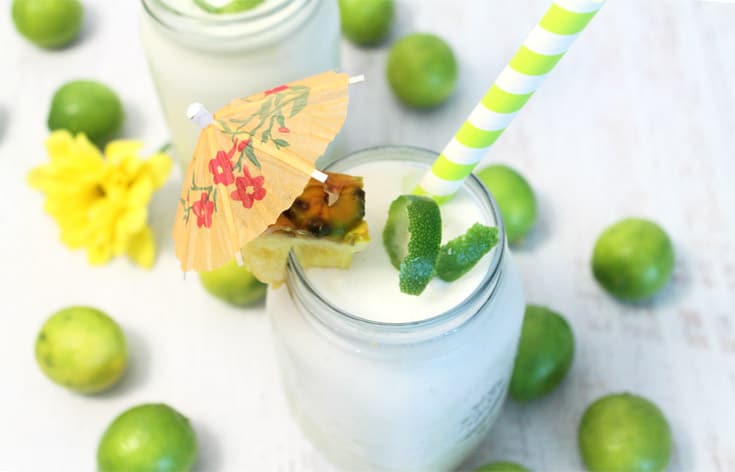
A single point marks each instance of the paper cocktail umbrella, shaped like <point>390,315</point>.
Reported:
<point>252,160</point>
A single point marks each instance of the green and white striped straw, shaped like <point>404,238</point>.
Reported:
<point>547,43</point>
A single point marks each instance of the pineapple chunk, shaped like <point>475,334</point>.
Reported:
<point>324,226</point>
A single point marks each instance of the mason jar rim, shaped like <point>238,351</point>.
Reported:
<point>210,27</point>
<point>440,324</point>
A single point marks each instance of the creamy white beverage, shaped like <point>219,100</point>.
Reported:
<point>196,56</point>
<point>381,380</point>
<point>372,277</point>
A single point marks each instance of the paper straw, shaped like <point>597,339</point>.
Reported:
<point>547,43</point>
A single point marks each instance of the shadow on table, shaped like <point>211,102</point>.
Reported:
<point>682,447</point>
<point>210,451</point>
<point>505,441</point>
<point>163,210</point>
<point>539,434</point>
<point>90,25</point>
<point>4,122</point>
<point>135,123</point>
<point>542,229</point>
<point>139,366</point>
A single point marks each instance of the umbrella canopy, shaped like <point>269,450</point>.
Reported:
<point>252,160</point>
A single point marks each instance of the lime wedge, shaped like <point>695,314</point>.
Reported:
<point>412,237</point>
<point>220,7</point>
<point>461,254</point>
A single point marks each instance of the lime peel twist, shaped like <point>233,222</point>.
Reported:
<point>412,237</point>
<point>459,255</point>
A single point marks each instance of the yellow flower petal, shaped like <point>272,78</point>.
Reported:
<point>121,240</point>
<point>68,209</point>
<point>63,148</point>
<point>132,221</point>
<point>37,177</point>
<point>73,162</point>
<point>132,166</point>
<point>142,248</point>
<point>116,151</point>
<point>98,254</point>
<point>85,148</point>
<point>60,144</point>
<point>73,237</point>
<point>140,193</point>
<point>101,211</point>
<point>100,203</point>
<point>158,167</point>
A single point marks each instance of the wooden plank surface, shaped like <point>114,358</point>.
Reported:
<point>638,119</point>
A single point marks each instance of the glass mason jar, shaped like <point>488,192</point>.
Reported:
<point>399,396</point>
<point>211,59</point>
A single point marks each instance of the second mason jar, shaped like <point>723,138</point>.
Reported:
<point>405,395</point>
<point>195,56</point>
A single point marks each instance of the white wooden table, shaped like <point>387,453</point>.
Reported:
<point>638,119</point>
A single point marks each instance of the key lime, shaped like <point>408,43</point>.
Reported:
<point>82,348</point>
<point>545,353</point>
<point>626,433</point>
<point>366,22</point>
<point>459,255</point>
<point>422,70</point>
<point>150,438</point>
<point>633,259</point>
<point>86,106</point>
<point>234,284</point>
<point>503,466</point>
<point>412,236</point>
<point>48,23</point>
<point>515,198</point>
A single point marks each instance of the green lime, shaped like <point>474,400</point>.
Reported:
<point>461,254</point>
<point>86,106</point>
<point>412,237</point>
<point>234,284</point>
<point>422,70</point>
<point>48,23</point>
<point>503,466</point>
<point>545,353</point>
<point>515,198</point>
<point>150,438</point>
<point>234,6</point>
<point>633,259</point>
<point>82,348</point>
<point>624,432</point>
<point>366,22</point>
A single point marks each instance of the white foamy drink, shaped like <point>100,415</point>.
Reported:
<point>382,380</point>
<point>196,56</point>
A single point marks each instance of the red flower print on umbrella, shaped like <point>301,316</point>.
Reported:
<point>253,158</point>
<point>249,189</point>
<point>221,166</point>
<point>280,88</point>
<point>203,209</point>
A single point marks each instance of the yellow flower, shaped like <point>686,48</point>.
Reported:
<point>101,202</point>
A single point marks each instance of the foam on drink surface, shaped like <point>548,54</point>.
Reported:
<point>369,288</point>
<point>191,9</point>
